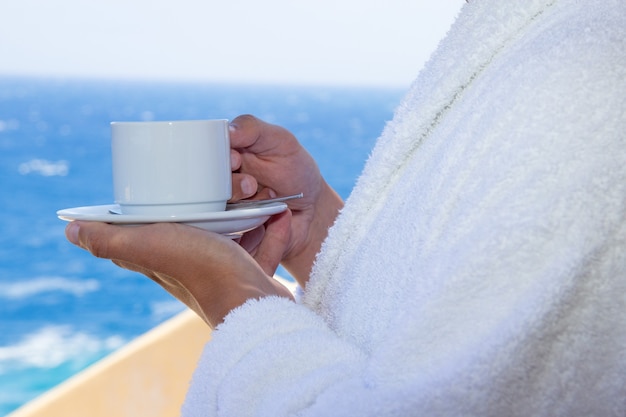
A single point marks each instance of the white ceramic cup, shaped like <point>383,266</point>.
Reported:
<point>170,168</point>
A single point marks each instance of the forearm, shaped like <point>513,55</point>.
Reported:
<point>299,260</point>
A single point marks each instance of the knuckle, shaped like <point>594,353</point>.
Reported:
<point>245,118</point>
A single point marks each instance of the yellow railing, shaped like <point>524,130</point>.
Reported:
<point>147,377</point>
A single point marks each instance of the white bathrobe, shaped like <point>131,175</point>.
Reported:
<point>479,266</point>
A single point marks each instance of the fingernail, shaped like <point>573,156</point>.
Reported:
<point>232,127</point>
<point>71,232</point>
<point>247,186</point>
<point>273,194</point>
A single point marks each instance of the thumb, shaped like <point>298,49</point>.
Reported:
<point>101,239</point>
<point>271,250</point>
<point>140,245</point>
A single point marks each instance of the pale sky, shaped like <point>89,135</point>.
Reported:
<point>348,42</point>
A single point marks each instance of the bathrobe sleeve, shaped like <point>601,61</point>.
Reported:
<point>305,368</point>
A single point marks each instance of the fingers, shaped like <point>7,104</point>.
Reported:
<point>102,240</point>
<point>271,249</point>
<point>123,246</point>
<point>140,245</point>
<point>235,160</point>
<point>251,240</point>
<point>244,131</point>
<point>244,186</point>
<point>255,135</point>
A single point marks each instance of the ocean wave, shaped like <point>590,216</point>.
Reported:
<point>52,346</point>
<point>24,289</point>
<point>45,168</point>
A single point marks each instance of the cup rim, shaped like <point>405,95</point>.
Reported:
<point>167,122</point>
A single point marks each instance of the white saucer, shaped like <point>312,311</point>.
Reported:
<point>233,222</point>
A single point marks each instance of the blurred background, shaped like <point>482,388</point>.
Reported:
<point>331,71</point>
<point>339,42</point>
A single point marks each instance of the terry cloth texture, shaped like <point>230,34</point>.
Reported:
<point>479,266</point>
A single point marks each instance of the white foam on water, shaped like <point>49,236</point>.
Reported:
<point>54,345</point>
<point>11,124</point>
<point>45,168</point>
<point>24,289</point>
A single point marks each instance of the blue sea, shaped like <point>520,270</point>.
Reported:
<point>60,308</point>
